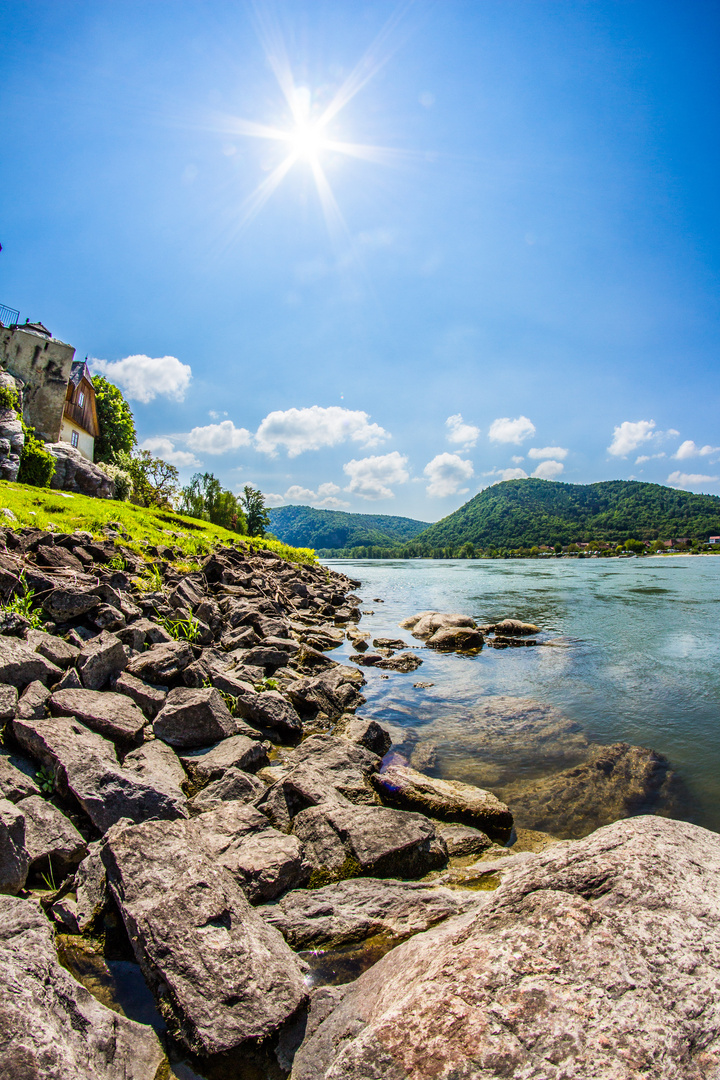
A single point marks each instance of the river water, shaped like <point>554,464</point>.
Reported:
<point>631,656</point>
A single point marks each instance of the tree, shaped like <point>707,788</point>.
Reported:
<point>115,420</point>
<point>258,519</point>
<point>154,481</point>
<point>204,497</point>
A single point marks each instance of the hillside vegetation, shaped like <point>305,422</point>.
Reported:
<point>143,526</point>
<point>332,529</point>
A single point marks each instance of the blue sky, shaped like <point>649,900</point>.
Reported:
<point>522,280</point>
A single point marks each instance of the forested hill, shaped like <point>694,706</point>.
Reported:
<point>519,513</point>
<point>303,526</point>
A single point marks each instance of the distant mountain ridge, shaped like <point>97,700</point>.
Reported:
<point>304,526</point>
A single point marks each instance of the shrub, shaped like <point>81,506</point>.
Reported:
<point>8,398</point>
<point>37,465</point>
<point>123,481</point>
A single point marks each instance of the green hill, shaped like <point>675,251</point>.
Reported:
<point>333,529</point>
<point>520,513</point>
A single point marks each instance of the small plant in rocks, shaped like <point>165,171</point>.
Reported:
<point>267,684</point>
<point>183,629</point>
<point>45,780</point>
<point>21,604</point>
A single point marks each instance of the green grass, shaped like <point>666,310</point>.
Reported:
<point>43,507</point>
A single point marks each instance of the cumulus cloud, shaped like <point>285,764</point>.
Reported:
<point>162,447</point>
<point>688,449</point>
<point>629,435</point>
<point>143,378</point>
<point>649,457</point>
<point>371,477</point>
<point>509,474</point>
<point>511,431</point>
<point>547,452</point>
<point>683,480</point>
<point>326,495</point>
<point>445,473</point>
<point>548,470</point>
<point>310,429</point>
<point>460,433</point>
<point>218,438</point>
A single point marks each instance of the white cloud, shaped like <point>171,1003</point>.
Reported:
<point>326,495</point>
<point>273,499</point>
<point>548,470</point>
<point>688,449</point>
<point>164,448</point>
<point>508,474</point>
<point>310,429</point>
<point>511,431</point>
<point>446,472</point>
<point>143,378</point>
<point>683,480</point>
<point>547,452</point>
<point>218,438</point>
<point>460,433</point>
<point>370,477</point>
<point>630,435</point>
<point>649,457</point>
<point>517,458</point>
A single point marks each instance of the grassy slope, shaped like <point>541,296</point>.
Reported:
<point>41,507</point>
<point>519,512</point>
<point>337,529</point>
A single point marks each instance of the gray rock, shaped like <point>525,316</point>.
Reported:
<point>32,700</point>
<point>102,658</point>
<point>19,665</point>
<point>148,698</point>
<point>16,777</point>
<point>449,800</point>
<point>346,767</point>
<point>234,784</point>
<point>111,715</point>
<point>427,623</point>
<point>344,840</point>
<point>267,657</point>
<point>347,912</point>
<point>52,1027</point>
<point>156,764</point>
<point>51,840</point>
<point>73,472</point>
<point>599,959</point>
<point>53,648</point>
<point>367,733</point>
<point>142,631</point>
<point>235,752</point>
<point>81,913</point>
<point>64,605</point>
<point>269,710</point>
<point>221,975</point>
<point>69,681</point>
<point>462,840</point>
<point>292,790</point>
<point>85,764</point>
<point>8,702</point>
<point>193,717</point>
<point>14,858</point>
<point>403,662</point>
<point>107,617</point>
<point>514,628</point>
<point>163,663</point>
<point>455,638</point>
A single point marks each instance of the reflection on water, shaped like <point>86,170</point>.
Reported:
<point>634,659</point>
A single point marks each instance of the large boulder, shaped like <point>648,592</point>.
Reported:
<point>64,605</point>
<point>111,715</point>
<point>14,857</point>
<point>51,1027</point>
<point>193,717</point>
<point>449,800</point>
<point>73,472</point>
<point>599,958</point>
<point>19,665</point>
<point>162,664</point>
<point>346,767</point>
<point>233,785</point>
<point>54,845</point>
<point>455,639</point>
<point>269,710</point>
<point>12,437</point>
<point>220,973</point>
<point>426,623</point>
<point>102,658</point>
<point>237,752</point>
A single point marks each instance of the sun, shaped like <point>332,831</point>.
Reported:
<point>306,141</point>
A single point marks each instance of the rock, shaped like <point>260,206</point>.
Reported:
<point>389,643</point>
<point>237,752</point>
<point>346,912</point>
<point>162,664</point>
<point>73,472</point>
<point>427,623</point>
<point>52,1027</point>
<point>69,681</point>
<point>102,658</point>
<point>269,710</point>
<point>367,733</point>
<point>8,702</point>
<point>57,558</point>
<point>455,638</point>
<point>462,840</point>
<point>342,840</point>
<point>220,974</point>
<point>85,764</point>
<point>193,717</point>
<point>346,767</point>
<point>449,800</point>
<point>81,914</point>
<point>16,775</point>
<point>156,764</point>
<point>64,605</point>
<point>14,858</point>
<point>32,700</point>
<point>234,784</point>
<point>12,441</point>
<point>599,958</point>
<point>53,843</point>
<point>614,782</point>
<point>53,648</point>
<point>403,662</point>
<point>111,715</point>
<point>514,628</point>
<point>107,617</point>
<point>148,698</point>
<point>141,631</point>
<point>19,665</point>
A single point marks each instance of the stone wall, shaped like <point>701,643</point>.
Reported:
<point>43,365</point>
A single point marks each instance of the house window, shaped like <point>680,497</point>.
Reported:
<point>81,399</point>
<point>74,438</point>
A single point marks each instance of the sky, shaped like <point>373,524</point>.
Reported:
<point>377,256</point>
